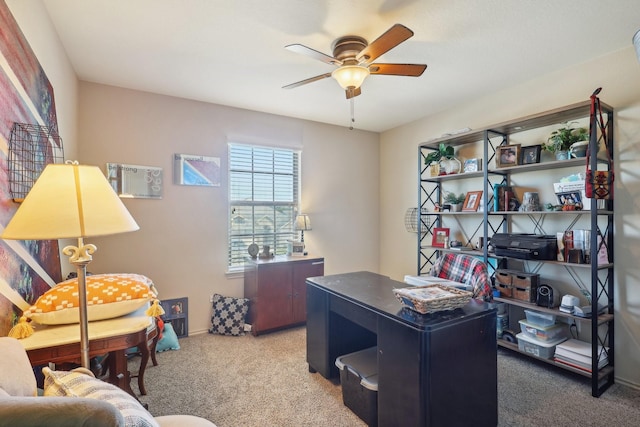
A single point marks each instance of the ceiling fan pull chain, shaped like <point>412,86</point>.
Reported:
<point>353,119</point>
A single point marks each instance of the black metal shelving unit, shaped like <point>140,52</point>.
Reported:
<point>601,277</point>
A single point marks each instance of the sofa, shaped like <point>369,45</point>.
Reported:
<point>71,398</point>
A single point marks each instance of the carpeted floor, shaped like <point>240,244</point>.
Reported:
<point>264,381</point>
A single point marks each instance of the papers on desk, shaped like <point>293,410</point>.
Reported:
<point>432,280</point>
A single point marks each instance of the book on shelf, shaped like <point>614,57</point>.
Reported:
<point>578,365</point>
<point>579,352</point>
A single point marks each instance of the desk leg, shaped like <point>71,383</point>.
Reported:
<point>118,372</point>
<point>144,349</point>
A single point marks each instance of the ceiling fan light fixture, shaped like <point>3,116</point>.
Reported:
<point>350,76</point>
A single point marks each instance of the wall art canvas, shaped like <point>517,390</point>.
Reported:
<point>191,169</point>
<point>27,268</point>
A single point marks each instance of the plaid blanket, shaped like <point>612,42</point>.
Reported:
<point>464,269</point>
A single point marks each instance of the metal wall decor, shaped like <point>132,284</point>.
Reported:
<point>31,149</point>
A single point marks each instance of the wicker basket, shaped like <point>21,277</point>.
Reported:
<point>432,298</point>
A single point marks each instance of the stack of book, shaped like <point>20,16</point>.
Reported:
<point>577,354</point>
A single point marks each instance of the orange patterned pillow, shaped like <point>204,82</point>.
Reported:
<point>108,296</point>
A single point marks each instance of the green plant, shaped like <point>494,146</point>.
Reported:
<point>444,151</point>
<point>454,199</point>
<point>563,138</point>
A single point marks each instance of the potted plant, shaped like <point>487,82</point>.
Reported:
<point>445,158</point>
<point>455,201</point>
<point>561,140</point>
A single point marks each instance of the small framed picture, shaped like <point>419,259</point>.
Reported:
<point>440,237</point>
<point>531,154</point>
<point>472,201</point>
<point>434,169</point>
<point>508,155</point>
<point>472,165</point>
<point>569,198</point>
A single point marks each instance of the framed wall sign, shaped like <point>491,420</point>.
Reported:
<point>135,181</point>
<point>196,170</point>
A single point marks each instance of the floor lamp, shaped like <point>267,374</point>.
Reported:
<point>71,201</point>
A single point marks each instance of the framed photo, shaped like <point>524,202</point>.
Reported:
<point>569,198</point>
<point>531,154</point>
<point>440,237</point>
<point>508,155</point>
<point>472,165</point>
<point>472,201</point>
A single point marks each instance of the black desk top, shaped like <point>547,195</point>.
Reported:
<point>375,292</point>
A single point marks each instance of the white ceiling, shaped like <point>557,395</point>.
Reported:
<point>231,52</point>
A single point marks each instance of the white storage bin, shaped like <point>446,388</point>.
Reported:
<point>540,319</point>
<point>543,349</point>
<point>542,333</point>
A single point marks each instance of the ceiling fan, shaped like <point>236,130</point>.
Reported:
<point>354,58</point>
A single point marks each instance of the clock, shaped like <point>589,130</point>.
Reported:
<point>253,250</point>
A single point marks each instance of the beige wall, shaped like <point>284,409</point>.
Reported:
<point>619,76</point>
<point>182,241</point>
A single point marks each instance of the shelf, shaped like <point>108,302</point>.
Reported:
<point>453,213</point>
<point>560,263</point>
<point>598,279</point>
<point>602,319</point>
<point>453,177</point>
<point>602,373</point>
<point>583,212</point>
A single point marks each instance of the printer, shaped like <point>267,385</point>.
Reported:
<point>525,246</point>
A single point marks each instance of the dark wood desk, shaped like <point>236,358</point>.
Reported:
<point>433,370</point>
<point>58,344</point>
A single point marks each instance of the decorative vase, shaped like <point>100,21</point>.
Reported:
<point>456,207</point>
<point>530,202</point>
<point>449,166</point>
<point>562,155</point>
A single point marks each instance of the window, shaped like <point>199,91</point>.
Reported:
<point>263,199</point>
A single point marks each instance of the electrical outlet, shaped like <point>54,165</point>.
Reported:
<point>211,298</point>
<point>247,327</point>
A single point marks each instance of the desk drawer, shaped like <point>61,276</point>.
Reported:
<point>355,313</point>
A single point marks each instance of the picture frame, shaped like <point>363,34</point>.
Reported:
<point>196,170</point>
<point>472,201</point>
<point>176,312</point>
<point>530,154</point>
<point>434,169</point>
<point>507,155</point>
<point>569,198</point>
<point>135,181</point>
<point>440,237</point>
<point>472,165</point>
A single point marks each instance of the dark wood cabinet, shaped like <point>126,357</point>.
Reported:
<point>277,291</point>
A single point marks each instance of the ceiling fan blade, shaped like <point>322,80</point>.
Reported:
<point>309,80</point>
<point>387,41</point>
<point>353,92</point>
<point>412,70</point>
<point>307,51</point>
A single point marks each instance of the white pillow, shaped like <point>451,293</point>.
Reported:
<point>76,384</point>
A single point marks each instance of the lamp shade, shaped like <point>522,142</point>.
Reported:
<point>636,43</point>
<point>303,222</point>
<point>350,76</point>
<point>69,201</point>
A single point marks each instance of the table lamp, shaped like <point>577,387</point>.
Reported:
<point>303,223</point>
<point>71,201</point>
